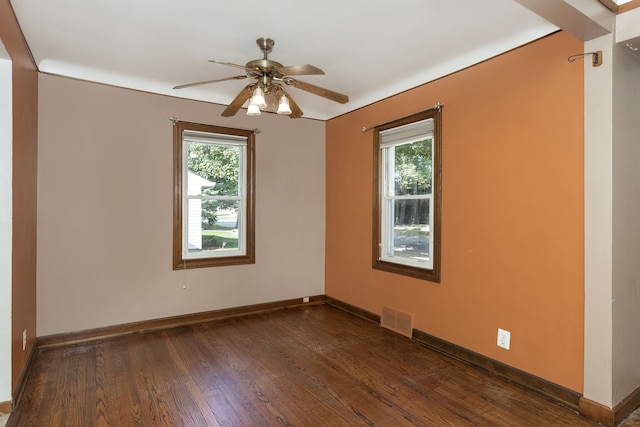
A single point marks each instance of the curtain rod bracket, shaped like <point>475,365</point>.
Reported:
<point>435,106</point>
<point>596,57</point>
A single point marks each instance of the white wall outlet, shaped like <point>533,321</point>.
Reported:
<point>305,299</point>
<point>504,339</point>
<point>24,340</point>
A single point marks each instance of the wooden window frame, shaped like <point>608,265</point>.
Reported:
<point>179,262</point>
<point>432,274</point>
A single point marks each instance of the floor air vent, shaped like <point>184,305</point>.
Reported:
<point>397,321</point>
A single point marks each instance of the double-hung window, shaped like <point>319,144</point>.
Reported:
<point>407,196</point>
<point>213,196</point>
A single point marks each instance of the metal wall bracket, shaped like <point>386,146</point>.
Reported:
<point>596,57</point>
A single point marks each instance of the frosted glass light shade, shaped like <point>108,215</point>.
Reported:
<point>253,110</point>
<point>283,106</point>
<point>258,98</point>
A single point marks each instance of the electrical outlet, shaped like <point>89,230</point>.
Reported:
<point>24,340</point>
<point>305,299</point>
<point>504,339</point>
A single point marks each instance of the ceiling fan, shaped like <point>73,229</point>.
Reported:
<point>271,79</point>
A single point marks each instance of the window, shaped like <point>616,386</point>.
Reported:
<point>213,208</point>
<point>406,212</point>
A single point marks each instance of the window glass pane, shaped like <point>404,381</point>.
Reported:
<point>213,169</point>
<point>413,168</point>
<point>212,226</point>
<point>411,229</point>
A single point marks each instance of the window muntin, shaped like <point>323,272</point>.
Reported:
<point>407,205</point>
<point>213,200</point>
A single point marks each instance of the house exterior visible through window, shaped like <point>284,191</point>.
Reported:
<point>406,235</point>
<point>213,196</point>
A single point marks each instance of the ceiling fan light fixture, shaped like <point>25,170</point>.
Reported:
<point>258,98</point>
<point>253,110</point>
<point>283,105</point>
<point>268,79</point>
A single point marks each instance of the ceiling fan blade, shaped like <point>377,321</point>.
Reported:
<point>210,81</point>
<point>317,90</point>
<point>230,64</point>
<point>239,100</point>
<point>300,70</point>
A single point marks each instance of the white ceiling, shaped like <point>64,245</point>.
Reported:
<point>369,49</point>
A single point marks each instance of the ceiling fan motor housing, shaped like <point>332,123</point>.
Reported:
<point>263,64</point>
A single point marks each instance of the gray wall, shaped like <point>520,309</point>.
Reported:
<point>105,210</point>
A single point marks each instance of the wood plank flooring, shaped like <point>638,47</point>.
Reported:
<point>309,366</point>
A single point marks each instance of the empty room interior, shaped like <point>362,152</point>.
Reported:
<point>443,231</point>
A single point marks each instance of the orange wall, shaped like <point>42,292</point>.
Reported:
<point>512,210</point>
<point>25,168</point>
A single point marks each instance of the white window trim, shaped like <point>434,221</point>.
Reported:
<point>220,140</point>
<point>402,135</point>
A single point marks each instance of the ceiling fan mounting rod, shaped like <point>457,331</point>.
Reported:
<point>266,45</point>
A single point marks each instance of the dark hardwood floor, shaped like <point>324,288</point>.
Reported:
<point>309,366</point>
